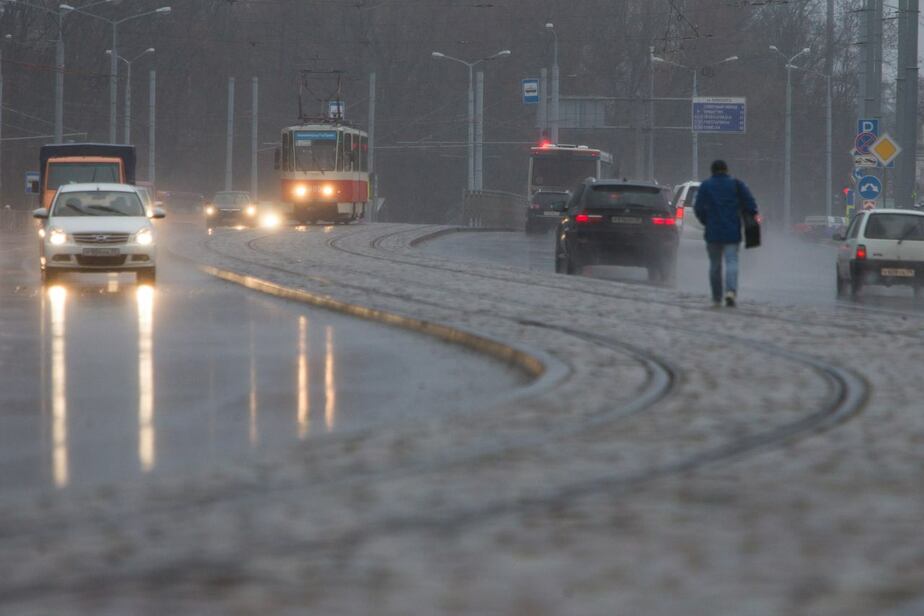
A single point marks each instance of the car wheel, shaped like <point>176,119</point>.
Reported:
<point>856,285</point>
<point>148,276</point>
<point>841,285</point>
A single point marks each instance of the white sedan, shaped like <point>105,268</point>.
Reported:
<point>99,228</point>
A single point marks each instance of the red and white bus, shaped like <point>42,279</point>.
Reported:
<point>324,170</point>
<point>561,167</point>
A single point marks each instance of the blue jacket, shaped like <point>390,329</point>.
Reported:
<point>718,208</point>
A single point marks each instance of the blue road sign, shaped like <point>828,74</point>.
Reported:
<point>868,126</point>
<point>32,180</point>
<point>530,91</point>
<point>858,173</point>
<point>870,187</point>
<point>720,115</point>
<point>851,197</point>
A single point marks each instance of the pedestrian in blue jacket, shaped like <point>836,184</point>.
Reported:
<point>718,207</point>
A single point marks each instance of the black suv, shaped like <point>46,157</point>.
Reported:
<point>618,222</point>
<point>545,210</point>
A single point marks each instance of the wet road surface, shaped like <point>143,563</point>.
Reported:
<point>102,380</point>
<point>782,271</point>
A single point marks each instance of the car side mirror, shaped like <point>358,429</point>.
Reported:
<point>159,213</point>
<point>40,213</point>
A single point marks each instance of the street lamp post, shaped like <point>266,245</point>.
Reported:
<point>471,105</point>
<point>555,108</point>
<point>787,162</point>
<point>695,70</point>
<point>128,90</point>
<point>114,63</point>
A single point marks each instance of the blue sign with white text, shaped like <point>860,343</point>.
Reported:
<point>720,115</point>
<point>308,136</point>
<point>868,126</point>
<point>530,91</point>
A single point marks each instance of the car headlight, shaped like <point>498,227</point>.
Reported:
<point>327,190</point>
<point>144,237</point>
<point>300,191</point>
<point>251,210</point>
<point>57,237</point>
<point>210,210</point>
<point>270,220</point>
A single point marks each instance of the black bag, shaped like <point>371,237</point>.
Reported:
<point>749,221</point>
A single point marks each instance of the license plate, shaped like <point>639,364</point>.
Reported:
<point>551,214</point>
<point>101,252</point>
<point>626,220</point>
<point>898,272</point>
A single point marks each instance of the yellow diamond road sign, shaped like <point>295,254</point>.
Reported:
<point>885,149</point>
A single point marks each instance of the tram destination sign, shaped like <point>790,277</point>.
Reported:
<point>720,115</point>
<point>306,137</point>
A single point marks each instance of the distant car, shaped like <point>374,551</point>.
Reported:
<point>819,227</point>
<point>881,247</point>
<point>684,200</point>
<point>613,222</point>
<point>542,213</point>
<point>100,228</point>
<point>230,208</point>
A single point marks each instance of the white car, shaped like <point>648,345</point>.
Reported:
<point>882,247</point>
<point>98,228</point>
<point>684,199</point>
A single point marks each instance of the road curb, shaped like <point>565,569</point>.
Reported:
<point>532,365</point>
<point>434,235</point>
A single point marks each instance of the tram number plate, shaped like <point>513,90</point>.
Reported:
<point>626,220</point>
<point>101,252</point>
<point>898,272</point>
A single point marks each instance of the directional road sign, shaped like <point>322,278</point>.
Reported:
<point>863,142</point>
<point>858,173</point>
<point>869,187</point>
<point>719,115</point>
<point>886,150</point>
<point>530,91</point>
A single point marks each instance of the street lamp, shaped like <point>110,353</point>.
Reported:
<point>555,107</point>
<point>114,64</point>
<point>695,70</point>
<point>471,105</point>
<point>128,90</point>
<point>787,163</point>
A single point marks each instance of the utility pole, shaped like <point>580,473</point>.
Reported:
<point>128,104</point>
<point>651,115</point>
<point>555,110</point>
<point>907,103</point>
<point>59,80</point>
<point>479,131</point>
<point>254,135</point>
<point>695,175</point>
<point>542,121</point>
<point>370,215</point>
<point>1,126</point>
<point>152,126</point>
<point>872,88</point>
<point>829,72</point>
<point>229,152</point>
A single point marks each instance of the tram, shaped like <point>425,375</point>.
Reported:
<point>324,171</point>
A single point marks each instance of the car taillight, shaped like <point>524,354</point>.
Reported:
<point>679,212</point>
<point>664,221</point>
<point>861,253</point>
<point>583,218</point>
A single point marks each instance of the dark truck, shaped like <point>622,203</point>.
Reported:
<point>79,163</point>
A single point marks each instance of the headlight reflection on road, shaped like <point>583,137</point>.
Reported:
<point>304,384</point>
<point>253,434</point>
<point>57,296</point>
<point>147,455</point>
<point>330,385</point>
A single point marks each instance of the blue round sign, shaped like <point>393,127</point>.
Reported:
<point>869,187</point>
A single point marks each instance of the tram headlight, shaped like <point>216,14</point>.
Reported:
<point>327,190</point>
<point>251,210</point>
<point>300,191</point>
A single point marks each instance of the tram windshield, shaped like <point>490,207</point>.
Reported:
<point>315,150</point>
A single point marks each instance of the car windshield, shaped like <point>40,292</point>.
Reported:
<point>230,199</point>
<point>895,227</point>
<point>549,198</point>
<point>98,203</point>
<point>81,173</point>
<point>627,196</point>
<point>315,150</point>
